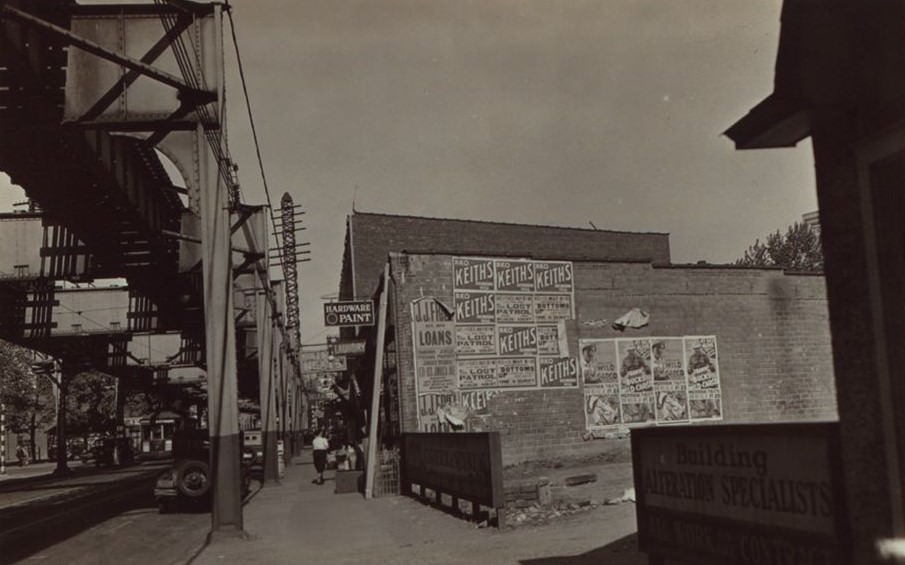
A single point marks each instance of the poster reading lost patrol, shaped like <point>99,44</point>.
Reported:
<point>663,380</point>
<point>515,308</point>
<point>704,393</point>
<point>476,339</point>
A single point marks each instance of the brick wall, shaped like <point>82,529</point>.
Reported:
<point>772,335</point>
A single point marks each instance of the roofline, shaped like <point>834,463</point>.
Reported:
<point>470,221</point>
<point>492,255</point>
<point>775,122</point>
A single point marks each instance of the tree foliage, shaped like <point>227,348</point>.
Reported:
<point>91,403</point>
<point>27,396</point>
<point>796,250</point>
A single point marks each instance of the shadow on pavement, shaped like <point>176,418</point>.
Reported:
<point>623,551</point>
<point>33,526</point>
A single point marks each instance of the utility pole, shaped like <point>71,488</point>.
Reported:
<point>2,438</point>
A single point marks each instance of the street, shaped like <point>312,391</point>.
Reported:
<point>39,510</point>
<point>297,521</point>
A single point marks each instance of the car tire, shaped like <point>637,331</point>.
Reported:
<point>193,479</point>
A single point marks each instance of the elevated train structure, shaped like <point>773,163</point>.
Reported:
<point>91,95</point>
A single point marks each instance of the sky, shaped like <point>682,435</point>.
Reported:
<point>553,112</point>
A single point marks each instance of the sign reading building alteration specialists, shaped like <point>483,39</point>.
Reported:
<point>746,495</point>
<point>353,313</point>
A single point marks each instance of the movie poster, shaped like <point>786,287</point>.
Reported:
<point>551,340</point>
<point>475,307</point>
<point>552,307</point>
<point>702,368</point>
<point>477,373</point>
<point>670,385</point>
<point>514,276</point>
<point>602,406</point>
<point>598,361</point>
<point>553,276</point>
<point>514,309</point>
<point>517,340</point>
<point>472,339</point>
<point>558,372</point>
<point>473,274</point>
<point>636,381</point>
<point>517,372</point>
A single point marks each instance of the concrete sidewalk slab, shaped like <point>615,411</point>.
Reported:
<point>297,521</point>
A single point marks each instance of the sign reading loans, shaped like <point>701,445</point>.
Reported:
<point>356,313</point>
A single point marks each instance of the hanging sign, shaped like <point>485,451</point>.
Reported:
<point>353,313</point>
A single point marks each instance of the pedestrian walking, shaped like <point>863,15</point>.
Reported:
<point>320,445</point>
<point>22,455</point>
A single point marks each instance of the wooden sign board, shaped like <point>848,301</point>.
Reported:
<point>349,314</point>
<point>743,494</point>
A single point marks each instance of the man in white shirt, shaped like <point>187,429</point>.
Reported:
<point>320,445</point>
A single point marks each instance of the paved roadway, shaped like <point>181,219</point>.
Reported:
<point>39,510</point>
<point>298,522</point>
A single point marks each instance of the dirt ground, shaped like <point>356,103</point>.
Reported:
<point>611,471</point>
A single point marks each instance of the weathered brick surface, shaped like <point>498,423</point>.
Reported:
<point>772,334</point>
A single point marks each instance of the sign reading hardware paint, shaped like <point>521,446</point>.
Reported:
<point>357,313</point>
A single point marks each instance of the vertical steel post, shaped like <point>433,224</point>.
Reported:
<point>2,438</point>
<point>374,414</point>
<point>220,341</point>
<point>265,383</point>
<point>219,322</point>
<point>68,369</point>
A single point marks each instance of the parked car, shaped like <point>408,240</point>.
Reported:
<point>104,451</point>
<point>188,480</point>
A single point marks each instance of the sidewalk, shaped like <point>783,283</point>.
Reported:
<point>297,521</point>
<point>14,471</point>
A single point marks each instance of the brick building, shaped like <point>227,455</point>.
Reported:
<point>489,323</point>
<point>840,81</point>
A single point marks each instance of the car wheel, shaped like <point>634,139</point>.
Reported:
<point>193,479</point>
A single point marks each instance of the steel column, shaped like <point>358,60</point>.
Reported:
<point>265,383</point>
<point>220,340</point>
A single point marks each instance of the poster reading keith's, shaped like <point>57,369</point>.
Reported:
<point>514,276</point>
<point>475,307</point>
<point>473,274</point>
<point>553,277</point>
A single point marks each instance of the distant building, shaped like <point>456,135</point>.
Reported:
<point>812,219</point>
<point>509,327</point>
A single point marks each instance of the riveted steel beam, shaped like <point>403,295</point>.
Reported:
<point>187,93</point>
